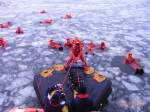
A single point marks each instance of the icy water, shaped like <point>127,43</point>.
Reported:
<point>123,24</point>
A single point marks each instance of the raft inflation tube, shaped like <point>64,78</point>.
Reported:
<point>98,86</point>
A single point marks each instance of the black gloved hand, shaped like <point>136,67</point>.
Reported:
<point>62,96</point>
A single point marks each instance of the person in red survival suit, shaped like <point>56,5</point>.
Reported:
<point>76,54</point>
<point>134,64</point>
<point>90,48</point>
<point>68,43</point>
<point>55,99</point>
<point>81,103</point>
<point>3,43</point>
<point>55,45</point>
<point>5,25</point>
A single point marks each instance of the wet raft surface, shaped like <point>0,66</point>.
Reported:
<point>123,24</point>
<point>98,86</point>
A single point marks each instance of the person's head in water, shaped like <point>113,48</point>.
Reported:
<point>82,90</point>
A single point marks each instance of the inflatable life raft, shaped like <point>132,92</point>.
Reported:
<point>98,86</point>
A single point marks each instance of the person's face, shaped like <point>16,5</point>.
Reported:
<point>77,45</point>
<point>130,54</point>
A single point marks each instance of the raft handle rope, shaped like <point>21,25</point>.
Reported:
<point>67,74</point>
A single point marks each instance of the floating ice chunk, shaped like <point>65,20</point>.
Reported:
<point>136,101</point>
<point>7,58</point>
<point>135,79</point>
<point>108,74</point>
<point>114,70</point>
<point>98,54</point>
<point>146,98</point>
<point>58,61</point>
<point>123,103</point>
<point>19,82</point>
<point>24,54</point>
<point>133,38</point>
<point>28,22</point>
<point>100,68</point>
<point>143,43</point>
<point>10,64</point>
<point>147,70</point>
<point>38,43</point>
<point>43,33</point>
<point>45,53</point>
<point>27,60</point>
<point>22,67</point>
<point>6,54</point>
<point>118,78</point>
<point>19,100</point>
<point>130,86</point>
<point>125,26</point>
<point>117,50</point>
<point>27,91</point>
<point>28,74</point>
<point>140,32</point>
<point>8,48</point>
<point>22,44</point>
<point>9,16</point>
<point>19,51</point>
<point>47,59</point>
<point>2,98</point>
<point>5,77</point>
<point>39,50</point>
